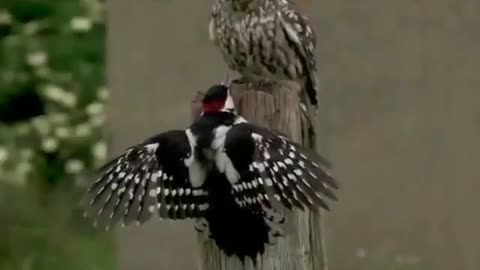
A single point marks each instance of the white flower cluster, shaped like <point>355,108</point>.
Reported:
<point>37,59</point>
<point>3,155</point>
<point>5,17</point>
<point>16,172</point>
<point>58,133</point>
<point>60,95</point>
<point>72,129</point>
<point>81,24</point>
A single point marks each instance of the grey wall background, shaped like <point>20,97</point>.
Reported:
<point>401,83</point>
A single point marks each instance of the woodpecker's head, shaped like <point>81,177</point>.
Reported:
<point>218,99</point>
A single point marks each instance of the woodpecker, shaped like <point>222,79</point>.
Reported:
<point>233,177</point>
<point>266,40</point>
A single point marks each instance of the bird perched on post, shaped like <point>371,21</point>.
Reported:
<point>222,171</point>
<point>266,40</point>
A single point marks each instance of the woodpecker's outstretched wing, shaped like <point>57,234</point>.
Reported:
<point>272,169</point>
<point>147,178</point>
<point>301,37</point>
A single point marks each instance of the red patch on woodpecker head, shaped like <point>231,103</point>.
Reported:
<point>213,106</point>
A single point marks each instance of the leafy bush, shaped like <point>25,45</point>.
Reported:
<point>52,90</point>
<point>52,98</point>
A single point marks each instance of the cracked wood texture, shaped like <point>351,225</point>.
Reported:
<point>302,248</point>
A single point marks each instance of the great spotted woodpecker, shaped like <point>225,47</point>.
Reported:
<point>232,176</point>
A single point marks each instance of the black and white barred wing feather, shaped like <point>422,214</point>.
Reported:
<point>302,39</point>
<point>148,178</point>
<point>273,169</point>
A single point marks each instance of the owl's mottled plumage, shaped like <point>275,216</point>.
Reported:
<point>266,39</point>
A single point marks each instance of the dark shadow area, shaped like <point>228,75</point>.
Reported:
<point>21,105</point>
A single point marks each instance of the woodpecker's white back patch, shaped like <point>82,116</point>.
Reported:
<point>197,174</point>
<point>196,171</point>
<point>239,120</point>
<point>219,136</point>
<point>223,162</point>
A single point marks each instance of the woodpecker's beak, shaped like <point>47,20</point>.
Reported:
<point>227,81</point>
<point>229,104</point>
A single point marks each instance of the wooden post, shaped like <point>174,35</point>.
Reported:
<point>274,107</point>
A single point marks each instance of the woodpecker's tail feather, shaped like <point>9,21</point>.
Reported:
<point>237,230</point>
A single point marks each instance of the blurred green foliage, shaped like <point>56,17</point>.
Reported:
<point>52,99</point>
<point>47,231</point>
